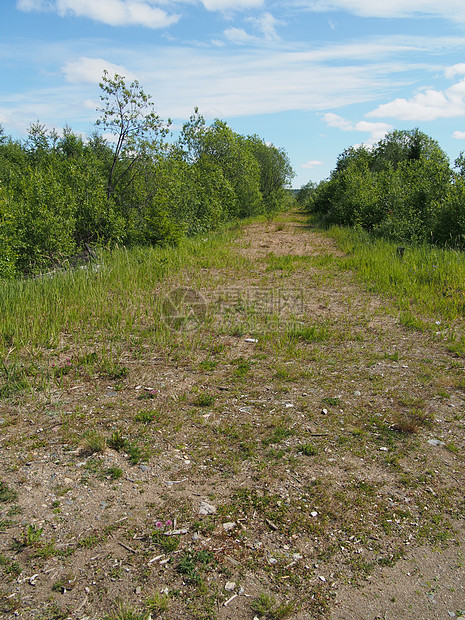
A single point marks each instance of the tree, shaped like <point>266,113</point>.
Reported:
<point>129,114</point>
<point>275,171</point>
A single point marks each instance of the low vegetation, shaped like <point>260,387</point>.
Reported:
<point>294,435</point>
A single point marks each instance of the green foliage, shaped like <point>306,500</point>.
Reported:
<point>60,193</point>
<point>402,189</point>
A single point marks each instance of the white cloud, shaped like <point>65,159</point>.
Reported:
<point>312,164</point>
<point>266,24</point>
<point>111,12</point>
<point>90,70</point>
<point>459,135</point>
<point>239,36</point>
<point>375,131</point>
<point>448,9</point>
<point>227,5</point>
<point>427,105</point>
<point>458,69</point>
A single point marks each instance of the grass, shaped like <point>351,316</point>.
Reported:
<point>307,435</point>
<point>427,278</point>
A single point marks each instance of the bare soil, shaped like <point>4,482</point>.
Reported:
<point>327,440</point>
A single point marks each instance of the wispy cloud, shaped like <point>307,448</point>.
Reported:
<point>453,10</point>
<point>375,131</point>
<point>111,12</point>
<point>459,135</point>
<point>90,70</point>
<point>228,5</point>
<point>264,26</point>
<point>312,164</point>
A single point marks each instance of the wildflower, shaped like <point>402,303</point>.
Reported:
<point>158,524</point>
<point>169,523</point>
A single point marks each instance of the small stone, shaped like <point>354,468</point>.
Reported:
<point>229,526</point>
<point>296,556</point>
<point>357,393</point>
<point>324,411</point>
<point>206,509</point>
<point>67,481</point>
<point>144,467</point>
<point>138,590</point>
<point>230,586</point>
<point>383,449</point>
<point>321,578</point>
<point>436,442</point>
<point>272,561</point>
<point>314,513</point>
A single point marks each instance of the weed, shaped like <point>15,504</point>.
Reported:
<point>117,441</point>
<point>146,416</point>
<point>280,432</point>
<point>90,541</point>
<point>307,449</point>
<point>31,537</point>
<point>14,379</point>
<point>208,365</point>
<point>204,400</point>
<point>115,473</point>
<point>64,584</point>
<point>242,368</point>
<point>157,603</point>
<point>7,494</point>
<point>192,564</point>
<point>308,333</point>
<point>266,607</point>
<point>112,370</point>
<point>167,543</point>
<point>411,421</point>
<point>126,613</point>
<point>93,442</point>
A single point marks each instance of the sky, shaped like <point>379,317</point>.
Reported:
<point>313,77</point>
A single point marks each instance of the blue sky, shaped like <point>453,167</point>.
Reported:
<point>311,76</point>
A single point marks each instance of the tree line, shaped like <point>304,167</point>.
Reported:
<point>128,183</point>
<point>402,188</point>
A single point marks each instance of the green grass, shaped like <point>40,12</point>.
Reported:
<point>427,278</point>
<point>7,494</point>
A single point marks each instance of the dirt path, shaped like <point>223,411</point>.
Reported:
<point>324,441</point>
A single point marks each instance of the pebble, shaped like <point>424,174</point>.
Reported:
<point>436,442</point>
<point>324,411</point>
<point>357,393</point>
<point>229,526</point>
<point>206,509</point>
<point>144,467</point>
<point>230,586</point>
<point>314,513</point>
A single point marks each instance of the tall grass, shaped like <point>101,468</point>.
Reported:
<point>426,279</point>
<point>120,293</point>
